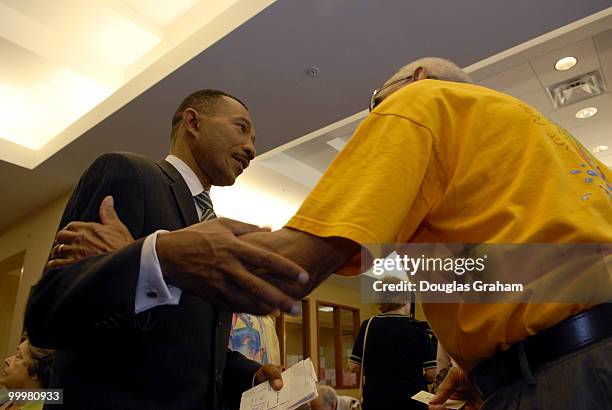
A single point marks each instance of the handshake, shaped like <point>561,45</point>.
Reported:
<point>233,265</point>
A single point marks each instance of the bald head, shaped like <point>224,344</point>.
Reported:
<point>434,67</point>
<point>427,67</point>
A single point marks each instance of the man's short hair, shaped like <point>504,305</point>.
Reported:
<point>203,101</point>
<point>439,68</point>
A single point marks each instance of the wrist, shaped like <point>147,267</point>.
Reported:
<point>164,255</point>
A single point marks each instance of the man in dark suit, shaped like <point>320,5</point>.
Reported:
<point>146,327</point>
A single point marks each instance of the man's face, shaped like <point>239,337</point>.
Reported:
<point>15,374</point>
<point>225,142</point>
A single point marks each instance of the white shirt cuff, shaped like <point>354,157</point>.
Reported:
<point>151,289</point>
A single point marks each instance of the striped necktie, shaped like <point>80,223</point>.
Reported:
<point>204,203</point>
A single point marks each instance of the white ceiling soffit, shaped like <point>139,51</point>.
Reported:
<point>73,63</point>
<point>523,71</point>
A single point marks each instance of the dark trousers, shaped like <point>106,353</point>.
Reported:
<point>579,380</point>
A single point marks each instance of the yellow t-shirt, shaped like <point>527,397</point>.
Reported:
<point>444,162</point>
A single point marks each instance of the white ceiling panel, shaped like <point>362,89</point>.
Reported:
<point>539,100</point>
<point>583,50</point>
<point>598,133</point>
<point>517,81</point>
<point>603,44</point>
<point>553,116</point>
<point>22,68</point>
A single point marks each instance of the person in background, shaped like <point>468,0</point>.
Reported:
<point>399,357</point>
<point>328,399</point>
<point>29,368</point>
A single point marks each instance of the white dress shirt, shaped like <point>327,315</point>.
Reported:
<point>151,289</point>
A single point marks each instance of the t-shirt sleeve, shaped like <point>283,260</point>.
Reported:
<point>370,192</point>
<point>357,354</point>
<point>427,351</point>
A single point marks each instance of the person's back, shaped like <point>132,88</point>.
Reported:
<point>396,352</point>
<point>482,167</point>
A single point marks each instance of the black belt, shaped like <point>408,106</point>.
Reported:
<point>523,358</point>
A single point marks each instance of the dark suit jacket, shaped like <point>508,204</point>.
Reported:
<point>170,357</point>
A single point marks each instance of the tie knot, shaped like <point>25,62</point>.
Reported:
<point>205,205</point>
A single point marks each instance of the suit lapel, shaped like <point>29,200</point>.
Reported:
<point>181,193</point>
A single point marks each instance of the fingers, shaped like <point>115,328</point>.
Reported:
<point>261,290</point>
<point>65,236</point>
<point>56,263</point>
<point>107,212</point>
<point>446,388</point>
<point>249,303</point>
<point>272,374</point>
<point>78,226</point>
<point>56,251</point>
<point>293,289</point>
<point>237,227</point>
<point>223,294</point>
<point>261,258</point>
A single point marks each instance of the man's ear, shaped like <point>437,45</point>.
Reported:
<point>191,121</point>
<point>419,74</point>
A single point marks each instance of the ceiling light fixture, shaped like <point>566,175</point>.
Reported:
<point>600,148</point>
<point>576,89</point>
<point>587,112</point>
<point>565,63</point>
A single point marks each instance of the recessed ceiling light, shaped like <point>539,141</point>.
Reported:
<point>565,63</point>
<point>600,148</point>
<point>586,112</point>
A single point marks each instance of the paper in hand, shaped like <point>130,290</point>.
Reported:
<point>426,397</point>
<point>299,387</point>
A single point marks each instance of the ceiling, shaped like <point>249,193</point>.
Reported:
<point>72,63</point>
<point>355,44</point>
<point>529,78</point>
